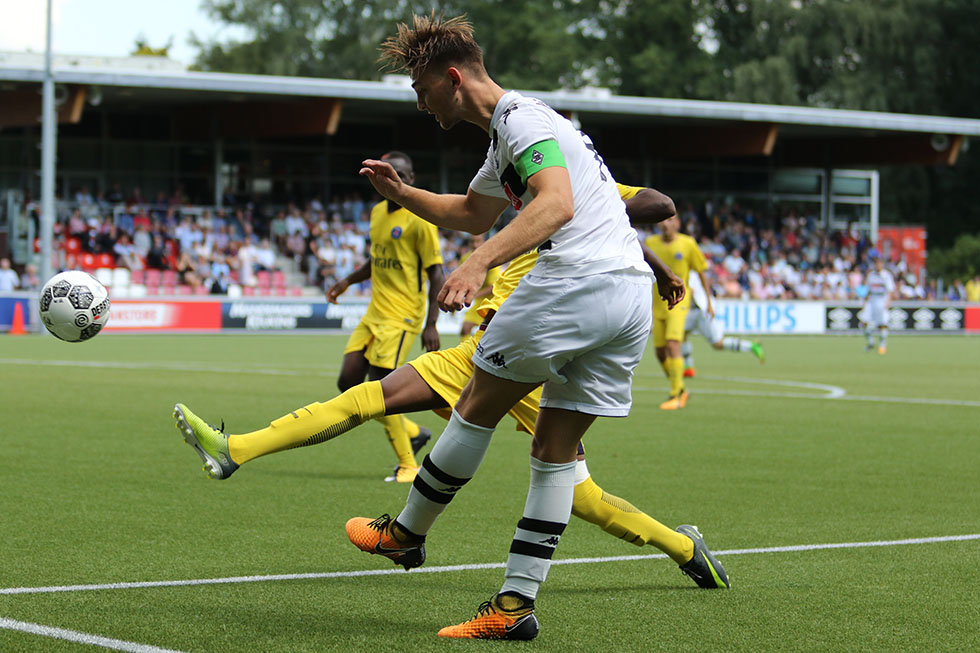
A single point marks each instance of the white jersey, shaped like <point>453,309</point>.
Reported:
<point>880,284</point>
<point>599,237</point>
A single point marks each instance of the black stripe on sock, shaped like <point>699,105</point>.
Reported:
<point>533,550</point>
<point>541,526</point>
<point>430,492</point>
<point>440,475</point>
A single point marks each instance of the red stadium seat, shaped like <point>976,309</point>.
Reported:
<point>248,291</point>
<point>153,290</point>
<point>278,279</point>
<point>279,291</point>
<point>138,276</point>
<point>73,245</point>
<point>184,289</point>
<point>169,278</point>
<point>201,290</point>
<point>153,277</point>
<point>168,290</point>
<point>296,291</point>
<point>89,261</point>
<point>263,278</point>
<point>106,261</point>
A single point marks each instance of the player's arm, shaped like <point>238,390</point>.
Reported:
<point>362,273</point>
<point>649,206</point>
<point>430,335</point>
<point>473,212</point>
<point>669,285</point>
<point>550,208</point>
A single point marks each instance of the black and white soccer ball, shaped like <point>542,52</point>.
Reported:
<point>74,306</point>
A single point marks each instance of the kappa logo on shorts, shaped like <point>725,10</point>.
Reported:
<point>553,540</point>
<point>496,358</point>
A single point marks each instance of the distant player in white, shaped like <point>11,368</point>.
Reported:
<point>874,313</point>
<point>701,319</point>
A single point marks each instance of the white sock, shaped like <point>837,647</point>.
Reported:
<point>687,351</point>
<point>736,344</point>
<point>452,462</point>
<point>883,337</point>
<point>546,513</point>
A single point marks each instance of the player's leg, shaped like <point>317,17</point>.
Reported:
<point>716,336</point>
<point>353,369</point>
<point>882,338</point>
<point>592,503</point>
<point>401,391</point>
<point>687,353</point>
<point>385,352</point>
<point>660,343</point>
<point>452,462</point>
<point>687,348</point>
<point>674,363</point>
<point>398,437</point>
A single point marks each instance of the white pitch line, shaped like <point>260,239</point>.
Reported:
<point>470,567</point>
<point>834,393</point>
<point>80,638</point>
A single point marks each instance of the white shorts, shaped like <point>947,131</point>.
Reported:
<point>874,313</point>
<point>698,322</point>
<point>582,337</point>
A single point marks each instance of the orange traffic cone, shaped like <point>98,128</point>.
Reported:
<point>17,326</point>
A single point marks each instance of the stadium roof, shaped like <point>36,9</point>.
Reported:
<point>694,127</point>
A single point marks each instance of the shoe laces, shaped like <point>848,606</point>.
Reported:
<point>381,523</point>
<point>485,609</point>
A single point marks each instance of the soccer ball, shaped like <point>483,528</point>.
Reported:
<point>74,306</point>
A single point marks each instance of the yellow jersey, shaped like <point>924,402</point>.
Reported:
<point>681,255</point>
<point>403,245</point>
<point>521,265</point>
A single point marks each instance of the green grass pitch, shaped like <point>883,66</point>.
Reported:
<point>823,444</point>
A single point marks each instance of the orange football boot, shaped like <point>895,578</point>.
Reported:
<point>375,536</point>
<point>494,621</point>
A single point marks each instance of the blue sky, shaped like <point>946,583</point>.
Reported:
<point>107,27</point>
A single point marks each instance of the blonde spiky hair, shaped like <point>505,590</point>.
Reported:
<point>431,40</point>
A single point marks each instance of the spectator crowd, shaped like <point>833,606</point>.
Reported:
<point>206,250</point>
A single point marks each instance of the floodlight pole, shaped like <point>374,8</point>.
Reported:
<point>49,126</point>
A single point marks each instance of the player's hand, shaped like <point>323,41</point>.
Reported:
<point>430,338</point>
<point>383,177</point>
<point>462,285</point>
<point>671,288</point>
<point>337,290</point>
<point>710,310</point>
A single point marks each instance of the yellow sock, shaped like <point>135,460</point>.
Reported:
<point>410,427</point>
<point>621,519</point>
<point>675,372</point>
<point>311,424</point>
<point>664,366</point>
<point>398,437</point>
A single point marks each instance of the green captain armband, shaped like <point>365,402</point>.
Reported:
<point>545,154</point>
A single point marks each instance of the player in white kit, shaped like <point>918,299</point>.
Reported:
<point>577,323</point>
<point>874,313</point>
<point>701,319</point>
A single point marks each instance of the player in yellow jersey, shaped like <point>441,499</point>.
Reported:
<point>434,381</point>
<point>682,254</point>
<point>472,317</point>
<point>403,246</point>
